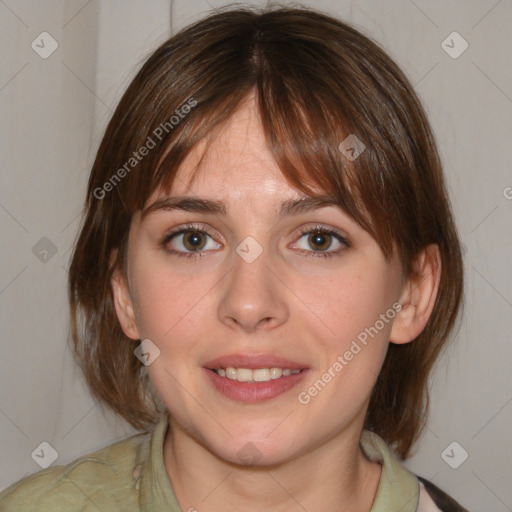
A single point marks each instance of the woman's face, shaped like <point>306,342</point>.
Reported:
<point>265,291</point>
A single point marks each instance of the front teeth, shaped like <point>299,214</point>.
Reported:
<point>259,375</point>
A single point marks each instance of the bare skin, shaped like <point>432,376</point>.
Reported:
<point>304,309</point>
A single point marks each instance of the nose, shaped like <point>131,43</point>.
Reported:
<point>253,297</point>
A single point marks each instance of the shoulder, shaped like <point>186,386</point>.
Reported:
<point>99,480</point>
<point>433,499</point>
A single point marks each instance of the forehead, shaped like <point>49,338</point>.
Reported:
<point>233,163</point>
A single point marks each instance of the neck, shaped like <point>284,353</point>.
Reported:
<point>331,477</point>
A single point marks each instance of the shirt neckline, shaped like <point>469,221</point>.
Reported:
<point>398,488</point>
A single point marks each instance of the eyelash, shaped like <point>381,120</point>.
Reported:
<point>202,229</point>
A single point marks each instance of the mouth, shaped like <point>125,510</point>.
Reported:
<point>254,378</point>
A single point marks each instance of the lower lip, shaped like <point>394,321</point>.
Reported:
<point>254,391</point>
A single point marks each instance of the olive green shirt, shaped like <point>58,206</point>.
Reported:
<point>130,475</point>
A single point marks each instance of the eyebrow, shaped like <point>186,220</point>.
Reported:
<point>202,205</point>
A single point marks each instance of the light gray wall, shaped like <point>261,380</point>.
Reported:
<point>53,113</point>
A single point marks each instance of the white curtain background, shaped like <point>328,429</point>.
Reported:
<point>53,113</point>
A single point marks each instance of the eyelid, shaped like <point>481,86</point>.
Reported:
<point>193,226</point>
<point>326,229</point>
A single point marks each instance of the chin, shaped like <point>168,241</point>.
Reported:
<point>243,451</point>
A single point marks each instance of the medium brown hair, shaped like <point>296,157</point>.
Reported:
<point>318,80</point>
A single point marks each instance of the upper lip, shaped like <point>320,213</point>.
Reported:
<point>253,362</point>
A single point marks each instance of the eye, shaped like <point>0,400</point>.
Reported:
<point>189,241</point>
<point>320,239</point>
<point>193,241</point>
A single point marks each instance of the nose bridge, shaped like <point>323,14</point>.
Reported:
<point>252,296</point>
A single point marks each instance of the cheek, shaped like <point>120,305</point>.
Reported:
<point>348,302</point>
<point>167,302</point>
<point>170,308</point>
<point>351,337</point>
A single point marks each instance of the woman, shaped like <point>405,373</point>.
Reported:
<point>267,271</point>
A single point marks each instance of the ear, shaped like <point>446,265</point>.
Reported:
<point>123,302</point>
<point>418,296</point>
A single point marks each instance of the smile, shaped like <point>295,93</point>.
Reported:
<point>257,375</point>
<point>254,377</point>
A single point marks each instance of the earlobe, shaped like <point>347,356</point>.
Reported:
<point>123,305</point>
<point>418,296</point>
